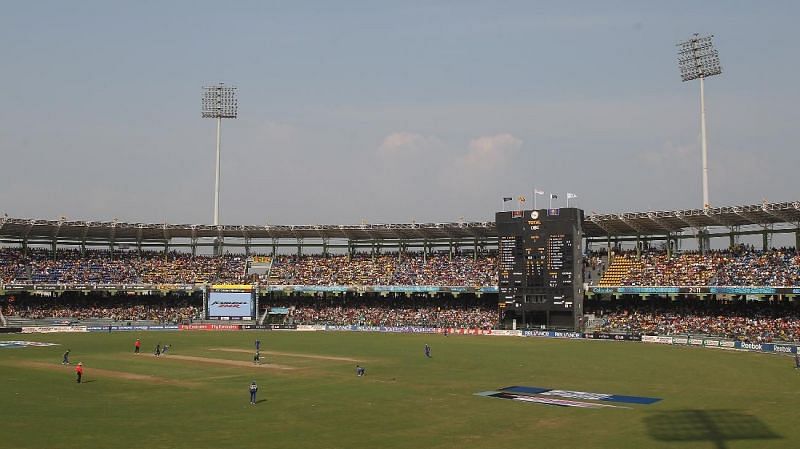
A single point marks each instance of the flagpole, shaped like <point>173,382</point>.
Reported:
<point>551,201</point>
<point>570,196</point>
<point>534,198</point>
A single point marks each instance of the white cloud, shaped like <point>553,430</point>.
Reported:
<point>398,143</point>
<point>489,152</point>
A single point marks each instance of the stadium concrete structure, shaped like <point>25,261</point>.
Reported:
<point>600,230</point>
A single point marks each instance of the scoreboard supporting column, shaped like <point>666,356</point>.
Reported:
<point>540,266</point>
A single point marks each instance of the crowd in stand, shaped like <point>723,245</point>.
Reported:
<point>754,321</point>
<point>332,270</point>
<point>39,266</point>
<point>394,269</point>
<point>442,311</point>
<point>12,265</point>
<point>120,267</point>
<point>441,270</point>
<point>169,309</point>
<point>737,267</point>
<point>461,312</point>
<point>778,267</point>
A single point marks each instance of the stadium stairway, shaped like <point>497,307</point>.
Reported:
<point>259,266</point>
<point>591,276</point>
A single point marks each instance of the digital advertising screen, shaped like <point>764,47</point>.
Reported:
<point>230,305</point>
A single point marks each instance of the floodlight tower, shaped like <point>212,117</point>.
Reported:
<point>698,59</point>
<point>219,102</point>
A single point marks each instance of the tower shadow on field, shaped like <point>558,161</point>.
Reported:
<point>714,426</point>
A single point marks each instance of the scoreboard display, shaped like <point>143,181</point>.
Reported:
<point>230,302</point>
<point>540,265</point>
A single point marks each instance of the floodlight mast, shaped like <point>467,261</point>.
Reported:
<point>698,59</point>
<point>219,102</point>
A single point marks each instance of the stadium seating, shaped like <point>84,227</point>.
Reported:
<point>161,309</point>
<point>728,268</point>
<point>103,267</point>
<point>619,269</point>
<point>462,312</point>
<point>408,269</point>
<point>756,321</point>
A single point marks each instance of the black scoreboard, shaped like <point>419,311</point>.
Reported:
<point>540,266</point>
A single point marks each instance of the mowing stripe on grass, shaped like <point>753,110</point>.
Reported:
<point>228,362</point>
<point>291,354</point>
<point>107,373</point>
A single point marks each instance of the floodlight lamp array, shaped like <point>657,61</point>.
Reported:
<point>220,102</point>
<point>697,58</point>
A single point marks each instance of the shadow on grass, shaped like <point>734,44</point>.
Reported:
<point>714,426</point>
<point>260,401</point>
<point>88,381</point>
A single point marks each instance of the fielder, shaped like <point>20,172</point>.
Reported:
<point>253,391</point>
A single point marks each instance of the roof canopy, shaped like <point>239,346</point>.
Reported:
<point>663,222</point>
<point>118,231</point>
<point>598,225</point>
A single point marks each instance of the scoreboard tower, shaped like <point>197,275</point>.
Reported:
<point>541,266</point>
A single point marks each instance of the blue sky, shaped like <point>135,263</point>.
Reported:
<point>389,111</point>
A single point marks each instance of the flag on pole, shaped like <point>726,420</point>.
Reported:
<point>521,199</point>
<point>553,196</point>
<point>507,198</point>
<point>538,192</point>
<point>571,196</point>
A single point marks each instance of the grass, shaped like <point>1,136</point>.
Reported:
<point>711,398</point>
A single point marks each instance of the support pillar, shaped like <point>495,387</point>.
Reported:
<point>797,238</point>
<point>669,246</point>
<point>703,242</point>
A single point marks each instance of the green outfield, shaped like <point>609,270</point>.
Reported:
<point>197,395</point>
